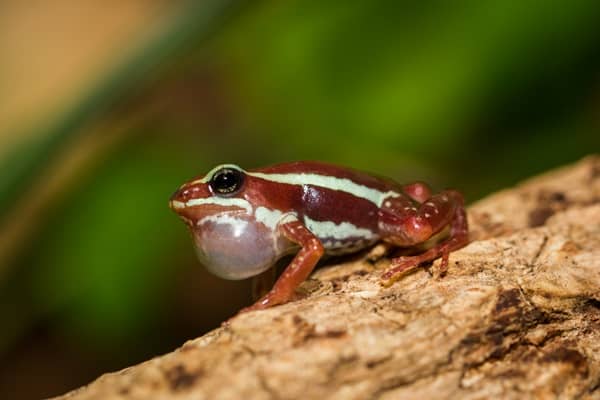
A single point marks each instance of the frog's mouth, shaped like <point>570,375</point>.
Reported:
<point>195,215</point>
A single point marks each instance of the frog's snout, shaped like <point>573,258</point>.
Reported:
<point>182,195</point>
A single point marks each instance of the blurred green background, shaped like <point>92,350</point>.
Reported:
<point>106,108</point>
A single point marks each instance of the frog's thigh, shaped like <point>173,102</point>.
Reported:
<point>404,222</point>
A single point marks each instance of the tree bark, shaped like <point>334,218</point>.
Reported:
<point>516,316</point>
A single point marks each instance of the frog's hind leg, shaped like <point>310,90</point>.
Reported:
<point>418,191</point>
<point>405,223</point>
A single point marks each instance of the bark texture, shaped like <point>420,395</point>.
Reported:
<point>516,316</point>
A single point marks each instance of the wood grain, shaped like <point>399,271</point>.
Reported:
<point>516,316</point>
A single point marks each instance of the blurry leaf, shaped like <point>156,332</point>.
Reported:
<point>104,264</point>
<point>412,78</point>
<point>193,24</point>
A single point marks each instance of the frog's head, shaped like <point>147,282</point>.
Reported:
<point>219,211</point>
<point>215,193</point>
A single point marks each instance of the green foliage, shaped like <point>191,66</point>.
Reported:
<point>380,74</point>
<point>103,263</point>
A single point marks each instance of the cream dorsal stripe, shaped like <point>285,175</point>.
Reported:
<point>329,182</point>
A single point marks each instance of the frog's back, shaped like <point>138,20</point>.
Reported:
<point>330,170</point>
<point>339,205</point>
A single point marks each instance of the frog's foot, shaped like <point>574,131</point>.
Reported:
<point>255,306</point>
<point>273,298</point>
<point>401,265</point>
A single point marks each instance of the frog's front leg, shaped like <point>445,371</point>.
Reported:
<point>263,282</point>
<point>404,222</point>
<point>298,270</point>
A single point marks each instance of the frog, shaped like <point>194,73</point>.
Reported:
<point>244,221</point>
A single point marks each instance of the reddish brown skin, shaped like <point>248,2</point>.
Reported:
<point>412,218</point>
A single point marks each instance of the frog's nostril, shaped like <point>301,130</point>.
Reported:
<point>176,196</point>
<point>185,193</point>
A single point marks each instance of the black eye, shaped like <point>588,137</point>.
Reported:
<point>226,181</point>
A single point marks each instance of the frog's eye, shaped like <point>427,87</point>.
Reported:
<point>226,181</point>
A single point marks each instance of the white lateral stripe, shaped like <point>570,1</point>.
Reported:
<point>221,201</point>
<point>177,204</point>
<point>344,230</point>
<point>269,218</point>
<point>223,218</point>
<point>330,182</point>
<point>237,225</point>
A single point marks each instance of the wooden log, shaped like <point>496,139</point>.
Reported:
<point>516,316</point>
